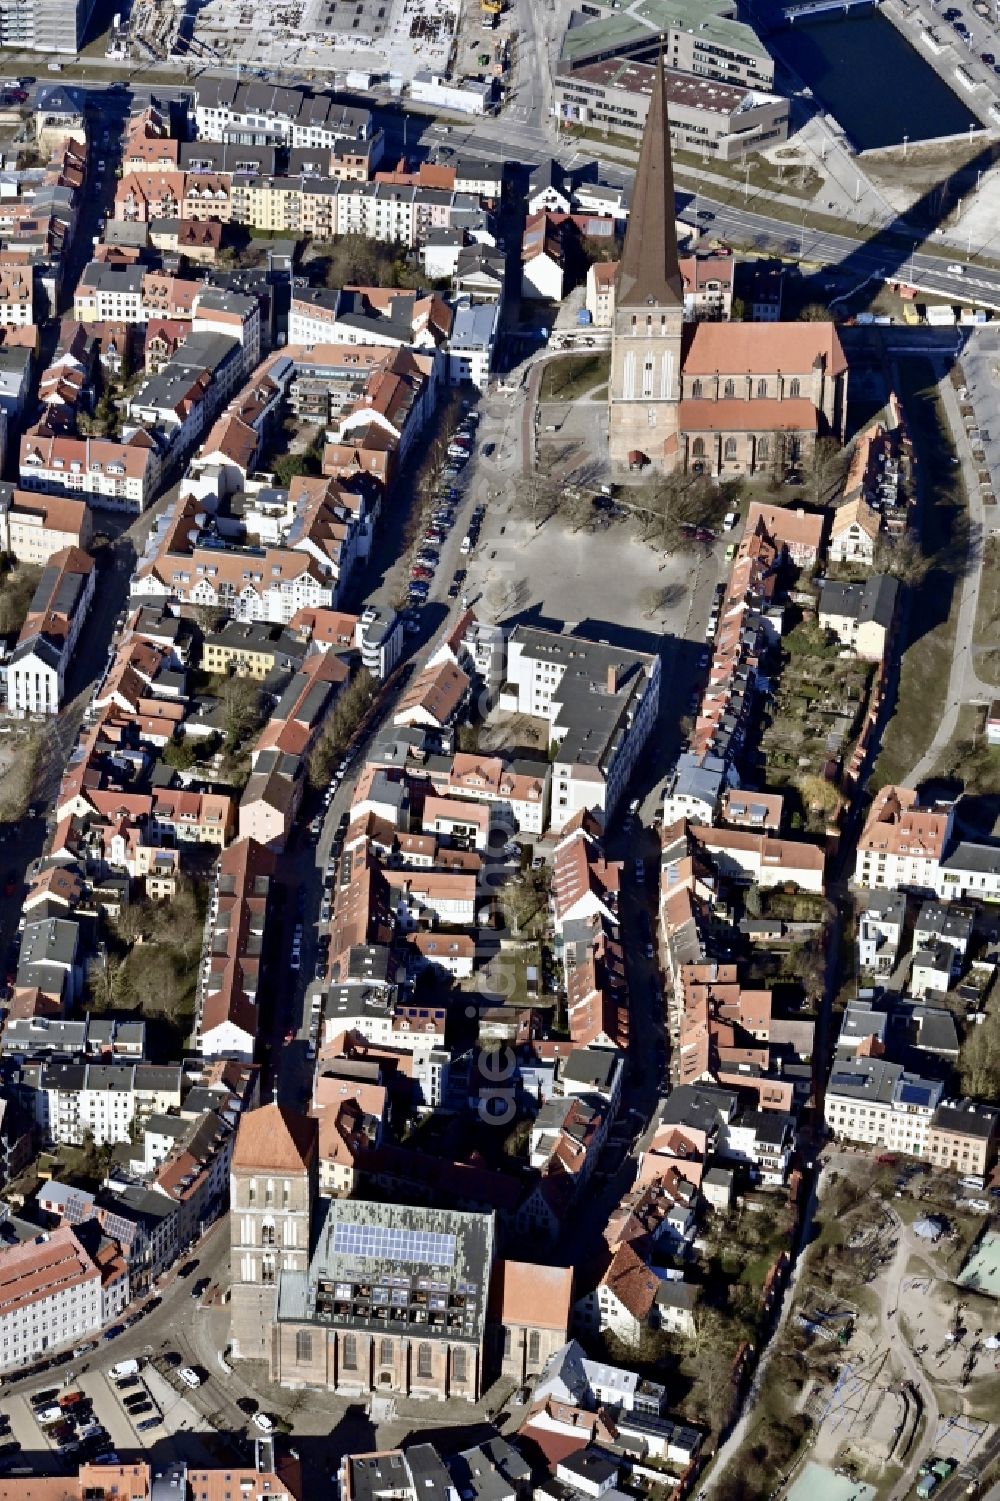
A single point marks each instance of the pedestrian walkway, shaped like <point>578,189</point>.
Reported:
<point>964,686</point>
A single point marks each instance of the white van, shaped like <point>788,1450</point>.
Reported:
<point>124,1368</point>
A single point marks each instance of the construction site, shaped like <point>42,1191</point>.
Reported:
<point>359,42</point>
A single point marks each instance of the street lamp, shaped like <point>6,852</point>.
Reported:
<point>906,142</point>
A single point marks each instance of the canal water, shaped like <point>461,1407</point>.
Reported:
<point>865,74</point>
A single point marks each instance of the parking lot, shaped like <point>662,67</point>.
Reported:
<point>981,365</point>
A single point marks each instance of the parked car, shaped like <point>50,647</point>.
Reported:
<point>189,1376</point>
<point>263,1422</point>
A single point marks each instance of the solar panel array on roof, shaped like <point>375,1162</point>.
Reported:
<point>915,1094</point>
<point>845,1081</point>
<point>379,1242</point>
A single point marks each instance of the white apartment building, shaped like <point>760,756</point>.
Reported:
<point>119,475</point>
<point>878,1103</point>
<point>37,668</point>
<point>472,342</point>
<point>107,292</point>
<point>44,25</point>
<point>75,1100</point>
<point>600,703</point>
<point>379,211</point>
<point>902,844</point>
<point>50,1295</point>
<point>16,296</point>
<point>33,527</point>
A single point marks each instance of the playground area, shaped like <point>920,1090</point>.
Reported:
<point>894,1338</point>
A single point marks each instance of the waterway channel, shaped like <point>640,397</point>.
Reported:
<point>868,77</point>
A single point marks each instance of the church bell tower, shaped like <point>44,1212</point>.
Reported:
<point>644,390</point>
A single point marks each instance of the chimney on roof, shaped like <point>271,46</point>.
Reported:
<point>614,676</point>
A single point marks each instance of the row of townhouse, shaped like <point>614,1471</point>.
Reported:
<point>724,1032</point>
<point>268,1481</point>
<point>880,1103</point>
<point>111,292</point>
<point>178,404</point>
<point>367,316</point>
<point>288,551</point>
<point>301,206</point>
<point>168,816</point>
<point>584,899</point>
<point>38,221</point>
<point>251,582</point>
<point>92,1038</point>
<point>280,759</point>
<point>262,113</point>
<point>368,1007</point>
<point>748,621</point>
<point>404,765</point>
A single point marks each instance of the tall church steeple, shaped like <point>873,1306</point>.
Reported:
<point>647,335</point>
<point>649,270</point>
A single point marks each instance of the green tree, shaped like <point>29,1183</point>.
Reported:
<point>287,466</point>
<point>179,754</point>
<point>244,711</point>
<point>979,1062</point>
<point>17,585</point>
<point>599,248</point>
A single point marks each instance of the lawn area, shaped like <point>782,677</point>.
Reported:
<point>970,760</point>
<point>507,975</point>
<point>932,607</point>
<point>568,378</point>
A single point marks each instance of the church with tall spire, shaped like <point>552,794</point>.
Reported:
<point>708,398</point>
